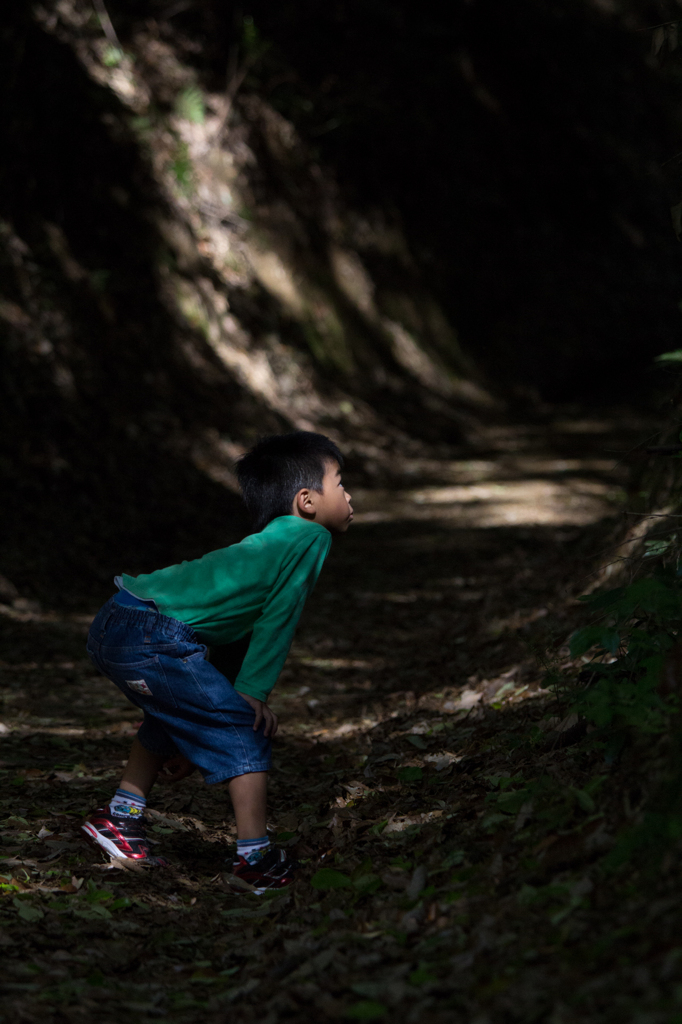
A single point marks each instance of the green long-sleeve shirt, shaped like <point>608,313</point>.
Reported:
<point>259,585</point>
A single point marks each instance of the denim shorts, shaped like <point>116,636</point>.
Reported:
<point>189,706</point>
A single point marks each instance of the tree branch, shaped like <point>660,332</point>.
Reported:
<point>105,22</point>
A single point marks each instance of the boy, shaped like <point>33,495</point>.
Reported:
<point>151,640</point>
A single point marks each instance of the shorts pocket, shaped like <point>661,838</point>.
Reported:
<point>141,679</point>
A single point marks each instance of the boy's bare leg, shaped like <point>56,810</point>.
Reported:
<point>249,795</point>
<point>141,771</point>
<point>118,828</point>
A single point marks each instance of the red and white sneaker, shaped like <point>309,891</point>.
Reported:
<point>274,870</point>
<point>120,836</point>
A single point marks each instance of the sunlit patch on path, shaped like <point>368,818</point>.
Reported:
<point>520,486</point>
<point>575,502</point>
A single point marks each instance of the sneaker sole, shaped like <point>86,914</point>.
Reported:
<point>93,836</point>
<point>100,841</point>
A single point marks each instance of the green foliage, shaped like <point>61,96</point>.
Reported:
<point>504,801</point>
<point>543,800</point>
<point>190,105</point>
<point>622,697</point>
<point>655,548</point>
<point>676,356</point>
<point>181,166</point>
<point>454,859</point>
<point>363,878</point>
<point>409,774</point>
<point>367,1009</point>
<point>330,878</point>
<point>366,884</point>
<point>422,975</point>
<point>583,799</point>
<point>659,595</point>
<point>556,900</point>
<point>591,636</point>
<point>639,624</point>
<point>27,911</point>
<point>95,895</point>
<point>112,56</point>
<point>614,699</point>
<point>250,34</point>
<point>417,741</point>
<point>660,828</point>
<point>252,43</point>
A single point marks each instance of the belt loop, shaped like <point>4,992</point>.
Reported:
<point>150,627</point>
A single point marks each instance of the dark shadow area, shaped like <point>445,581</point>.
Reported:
<point>522,147</point>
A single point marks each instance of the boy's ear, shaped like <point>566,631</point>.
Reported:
<point>303,502</point>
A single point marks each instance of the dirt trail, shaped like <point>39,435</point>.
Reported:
<point>444,886</point>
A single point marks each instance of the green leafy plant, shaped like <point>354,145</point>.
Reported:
<point>330,878</point>
<point>27,911</point>
<point>190,105</point>
<point>366,1009</point>
<point>181,166</point>
<point>112,56</point>
<point>638,628</point>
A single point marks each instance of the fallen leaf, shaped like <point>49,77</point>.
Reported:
<point>468,699</point>
<point>441,761</point>
<point>330,878</point>
<point>234,882</point>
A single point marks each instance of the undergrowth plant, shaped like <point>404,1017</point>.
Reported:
<point>638,627</point>
<point>628,692</point>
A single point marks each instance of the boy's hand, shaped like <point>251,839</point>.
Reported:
<point>262,712</point>
<point>174,769</point>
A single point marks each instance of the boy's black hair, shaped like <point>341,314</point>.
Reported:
<point>278,467</point>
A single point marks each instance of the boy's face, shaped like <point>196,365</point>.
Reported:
<point>329,507</point>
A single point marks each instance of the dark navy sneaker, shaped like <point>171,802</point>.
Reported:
<point>120,836</point>
<point>274,870</point>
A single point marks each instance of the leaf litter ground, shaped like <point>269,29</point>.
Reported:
<point>451,835</point>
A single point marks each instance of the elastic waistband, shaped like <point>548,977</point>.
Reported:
<point>152,620</point>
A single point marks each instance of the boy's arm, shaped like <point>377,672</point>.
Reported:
<point>274,629</point>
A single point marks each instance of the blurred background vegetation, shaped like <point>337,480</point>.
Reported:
<point>390,221</point>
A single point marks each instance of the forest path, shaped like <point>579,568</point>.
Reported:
<point>450,859</point>
<point>439,581</point>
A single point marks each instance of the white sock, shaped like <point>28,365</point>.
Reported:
<point>128,804</point>
<point>252,849</point>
